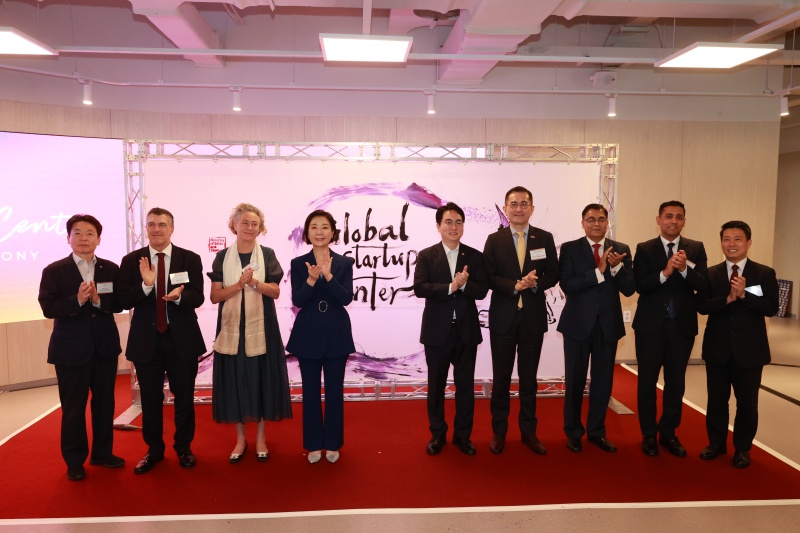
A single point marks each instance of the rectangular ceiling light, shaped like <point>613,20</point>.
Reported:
<point>374,48</point>
<point>14,42</point>
<point>717,55</point>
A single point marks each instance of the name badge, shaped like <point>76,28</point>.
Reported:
<point>538,253</point>
<point>252,266</point>
<point>690,264</point>
<point>755,289</point>
<point>177,278</point>
<point>105,288</point>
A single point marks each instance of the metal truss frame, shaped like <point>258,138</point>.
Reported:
<point>138,151</point>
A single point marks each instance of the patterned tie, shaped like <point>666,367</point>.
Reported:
<point>520,258</point>
<point>161,285</point>
<point>734,272</point>
<point>596,254</point>
<point>671,311</point>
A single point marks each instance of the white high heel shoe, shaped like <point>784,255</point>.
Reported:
<point>314,457</point>
<point>332,456</point>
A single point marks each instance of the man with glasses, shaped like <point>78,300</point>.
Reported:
<point>450,276</point>
<point>521,264</point>
<point>669,270</point>
<point>163,284</point>
<point>594,270</point>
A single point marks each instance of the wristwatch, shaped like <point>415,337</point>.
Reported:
<point>255,284</point>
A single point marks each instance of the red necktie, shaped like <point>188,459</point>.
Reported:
<point>596,254</point>
<point>734,272</point>
<point>161,285</point>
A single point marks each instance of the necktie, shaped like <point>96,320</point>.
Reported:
<point>671,311</point>
<point>161,285</point>
<point>734,272</point>
<point>596,254</point>
<point>520,258</point>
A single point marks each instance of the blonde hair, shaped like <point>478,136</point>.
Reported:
<point>239,210</point>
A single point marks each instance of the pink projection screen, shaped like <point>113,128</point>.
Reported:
<point>45,180</point>
<point>386,214</point>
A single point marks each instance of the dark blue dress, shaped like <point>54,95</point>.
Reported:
<point>250,389</point>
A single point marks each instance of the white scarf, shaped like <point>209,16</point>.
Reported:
<point>255,340</point>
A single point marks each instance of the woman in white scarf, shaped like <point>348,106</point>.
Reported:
<point>250,382</point>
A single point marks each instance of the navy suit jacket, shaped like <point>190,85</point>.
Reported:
<point>322,326</point>
<point>432,281</point>
<point>654,296</point>
<point>503,272</point>
<point>588,300</point>
<point>79,331</point>
<point>182,317</point>
<point>738,329</point>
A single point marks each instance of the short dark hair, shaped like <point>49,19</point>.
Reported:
<point>596,207</point>
<point>736,224</point>
<point>331,221</point>
<point>671,203</point>
<point>449,206</point>
<point>158,211</point>
<point>518,188</point>
<point>89,219</point>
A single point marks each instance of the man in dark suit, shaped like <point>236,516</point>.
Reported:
<point>79,293</point>
<point>450,276</point>
<point>739,295</point>
<point>669,270</point>
<point>163,284</point>
<point>521,264</point>
<point>593,271</point>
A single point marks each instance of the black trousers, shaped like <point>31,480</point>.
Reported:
<point>745,383</point>
<point>74,384</point>
<point>181,375</point>
<point>668,349</point>
<point>439,359</point>
<point>526,342</point>
<point>576,364</point>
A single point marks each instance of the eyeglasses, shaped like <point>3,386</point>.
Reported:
<point>450,223</point>
<point>521,205</point>
<point>592,220</point>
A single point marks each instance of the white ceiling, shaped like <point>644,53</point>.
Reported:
<point>482,58</point>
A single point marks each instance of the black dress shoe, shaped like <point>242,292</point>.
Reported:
<point>534,444</point>
<point>741,459</point>
<point>435,446</point>
<point>465,445</point>
<point>147,463</point>
<point>112,461</point>
<point>603,443</point>
<point>187,459</point>
<point>650,446</point>
<point>574,445</point>
<point>236,457</point>
<point>497,444</point>
<point>673,445</point>
<point>76,473</point>
<point>712,451</point>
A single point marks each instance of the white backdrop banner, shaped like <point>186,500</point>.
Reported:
<point>385,212</point>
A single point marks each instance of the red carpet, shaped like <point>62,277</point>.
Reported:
<point>383,465</point>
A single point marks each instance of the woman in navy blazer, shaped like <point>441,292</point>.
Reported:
<point>321,338</point>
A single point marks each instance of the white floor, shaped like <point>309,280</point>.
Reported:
<point>778,423</point>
